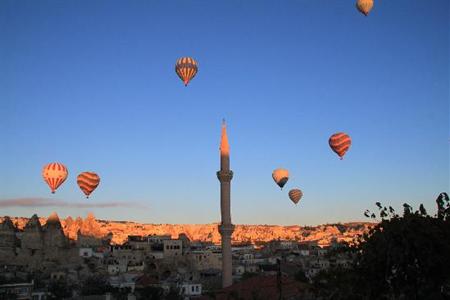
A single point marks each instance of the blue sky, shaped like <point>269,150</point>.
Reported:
<point>91,84</point>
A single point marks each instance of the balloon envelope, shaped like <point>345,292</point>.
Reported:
<point>280,176</point>
<point>88,182</point>
<point>364,6</point>
<point>295,195</point>
<point>340,143</point>
<point>54,174</point>
<point>186,68</point>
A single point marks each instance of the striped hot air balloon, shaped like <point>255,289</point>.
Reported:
<point>295,195</point>
<point>339,143</point>
<point>186,68</point>
<point>364,6</point>
<point>280,176</point>
<point>54,174</point>
<point>88,182</point>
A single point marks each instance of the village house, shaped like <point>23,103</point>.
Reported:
<point>172,248</point>
<point>206,259</point>
<point>190,289</point>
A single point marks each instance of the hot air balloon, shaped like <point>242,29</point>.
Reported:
<point>54,174</point>
<point>340,142</point>
<point>280,176</point>
<point>364,6</point>
<point>295,195</point>
<point>186,68</point>
<point>88,182</point>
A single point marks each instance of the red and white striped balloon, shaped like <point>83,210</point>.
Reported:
<point>54,174</point>
<point>88,182</point>
<point>295,195</point>
<point>186,68</point>
<point>340,143</point>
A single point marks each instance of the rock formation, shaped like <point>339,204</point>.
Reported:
<point>8,241</point>
<point>55,241</point>
<point>33,235</point>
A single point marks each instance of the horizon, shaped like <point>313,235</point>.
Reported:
<point>92,85</point>
<point>369,221</point>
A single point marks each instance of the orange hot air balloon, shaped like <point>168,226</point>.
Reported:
<point>364,6</point>
<point>54,174</point>
<point>295,195</point>
<point>88,182</point>
<point>340,142</point>
<point>186,68</point>
<point>280,176</point>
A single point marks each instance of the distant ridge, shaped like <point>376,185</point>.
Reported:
<point>323,235</point>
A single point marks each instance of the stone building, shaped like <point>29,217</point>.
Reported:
<point>206,259</point>
<point>172,248</point>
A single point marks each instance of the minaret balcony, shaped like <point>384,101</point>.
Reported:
<point>224,175</point>
<point>226,229</point>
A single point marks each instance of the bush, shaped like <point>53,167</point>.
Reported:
<point>402,257</point>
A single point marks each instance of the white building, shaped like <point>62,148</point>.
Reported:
<point>86,252</point>
<point>191,289</point>
<point>247,258</point>
<point>239,270</point>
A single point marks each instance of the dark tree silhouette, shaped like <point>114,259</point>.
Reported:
<point>59,289</point>
<point>95,285</point>
<point>402,257</point>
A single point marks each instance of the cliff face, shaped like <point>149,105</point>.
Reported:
<point>90,227</point>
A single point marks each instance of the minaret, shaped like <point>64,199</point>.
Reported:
<point>225,228</point>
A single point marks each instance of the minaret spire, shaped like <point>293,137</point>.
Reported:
<point>224,148</point>
<point>226,228</point>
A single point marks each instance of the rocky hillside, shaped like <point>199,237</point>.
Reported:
<point>119,230</point>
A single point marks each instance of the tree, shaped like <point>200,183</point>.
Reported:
<point>300,276</point>
<point>59,289</point>
<point>402,257</point>
<point>150,293</point>
<point>247,275</point>
<point>95,285</point>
